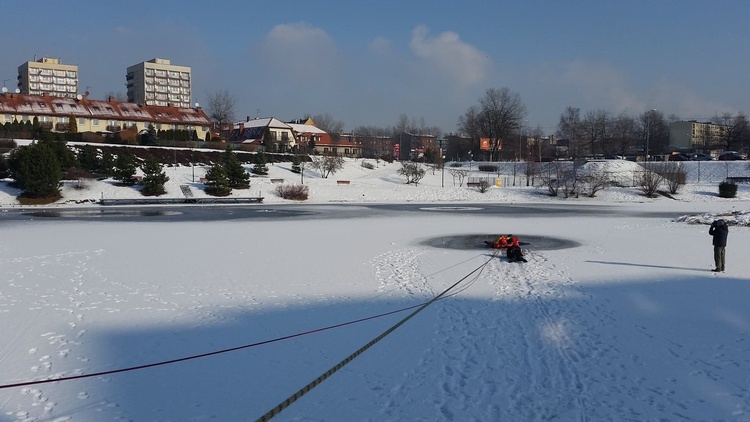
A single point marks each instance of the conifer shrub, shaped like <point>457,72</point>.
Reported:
<point>727,189</point>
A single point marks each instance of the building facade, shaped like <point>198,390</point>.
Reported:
<point>265,134</point>
<point>48,76</point>
<point>55,114</point>
<point>695,136</point>
<point>159,82</point>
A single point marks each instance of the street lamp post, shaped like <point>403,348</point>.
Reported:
<point>471,159</point>
<point>442,177</point>
<point>648,134</point>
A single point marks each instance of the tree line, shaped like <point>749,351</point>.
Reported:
<point>500,116</point>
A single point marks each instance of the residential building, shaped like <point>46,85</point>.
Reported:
<point>310,138</point>
<point>696,136</point>
<point>413,146</point>
<point>54,114</point>
<point>347,145</point>
<point>159,82</point>
<point>266,134</point>
<point>48,76</point>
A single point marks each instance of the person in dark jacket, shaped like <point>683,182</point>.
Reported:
<point>719,230</point>
<point>515,254</point>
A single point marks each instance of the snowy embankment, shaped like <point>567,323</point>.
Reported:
<point>628,325</point>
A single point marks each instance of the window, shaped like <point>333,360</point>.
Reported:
<point>81,121</point>
<point>94,122</point>
<point>63,120</point>
<point>24,119</point>
<point>8,118</point>
<point>44,119</point>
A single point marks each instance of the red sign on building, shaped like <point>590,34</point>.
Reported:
<point>396,150</point>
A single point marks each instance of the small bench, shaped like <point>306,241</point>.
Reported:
<point>342,182</point>
<point>277,180</point>
<point>473,184</point>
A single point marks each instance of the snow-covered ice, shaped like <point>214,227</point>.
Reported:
<point>629,325</point>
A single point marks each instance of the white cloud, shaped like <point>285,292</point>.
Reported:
<point>685,102</point>
<point>447,55</point>
<point>298,51</point>
<point>380,47</point>
<point>602,86</point>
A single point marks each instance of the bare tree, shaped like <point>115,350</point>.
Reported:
<point>553,175</point>
<point>412,171</point>
<point>329,124</point>
<point>500,113</point>
<point>594,126</point>
<point>220,107</point>
<point>483,185</point>
<point>623,135</point>
<point>654,132</point>
<point>116,96</point>
<point>570,127</point>
<point>650,181</point>
<point>327,164</point>
<point>595,180</point>
<point>460,174</point>
<point>674,175</point>
<point>734,132</point>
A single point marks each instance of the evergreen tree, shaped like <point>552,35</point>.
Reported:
<point>207,137</point>
<point>36,127</point>
<point>296,164</point>
<point>4,167</point>
<point>88,159</point>
<point>125,168</point>
<point>36,170</point>
<point>72,124</point>
<point>150,137</point>
<point>238,177</point>
<point>154,177</point>
<point>217,182</point>
<point>106,165</point>
<point>65,156</point>
<point>260,164</point>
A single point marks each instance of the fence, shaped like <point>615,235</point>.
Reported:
<point>520,174</point>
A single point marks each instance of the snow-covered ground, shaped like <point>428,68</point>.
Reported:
<point>631,324</point>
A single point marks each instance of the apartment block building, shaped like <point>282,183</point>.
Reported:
<point>694,135</point>
<point>159,82</point>
<point>48,76</point>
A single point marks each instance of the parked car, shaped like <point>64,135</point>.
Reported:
<point>730,156</point>
<point>678,156</point>
<point>702,157</point>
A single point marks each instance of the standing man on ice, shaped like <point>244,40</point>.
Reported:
<point>719,230</point>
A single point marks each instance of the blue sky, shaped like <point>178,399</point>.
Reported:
<point>366,63</point>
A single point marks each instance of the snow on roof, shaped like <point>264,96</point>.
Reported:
<point>264,122</point>
<point>115,110</point>
<point>302,128</point>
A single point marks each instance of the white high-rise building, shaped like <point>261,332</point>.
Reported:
<point>158,82</point>
<point>48,76</point>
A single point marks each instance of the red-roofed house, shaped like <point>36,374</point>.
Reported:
<point>54,113</point>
